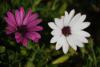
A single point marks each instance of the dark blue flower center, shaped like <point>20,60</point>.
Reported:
<point>22,29</point>
<point>66,31</point>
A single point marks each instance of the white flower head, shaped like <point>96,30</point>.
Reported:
<point>68,31</point>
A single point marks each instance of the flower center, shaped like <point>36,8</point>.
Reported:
<point>66,31</point>
<point>22,29</point>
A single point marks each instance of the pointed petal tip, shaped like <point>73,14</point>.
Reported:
<point>24,42</point>
<point>52,25</point>
<point>84,16</point>
<point>73,10</point>
<point>39,20</point>
<point>35,15</point>
<point>65,50</point>
<point>56,48</point>
<point>18,37</point>
<point>75,48</point>
<point>88,24</point>
<point>66,13</point>
<point>21,7</point>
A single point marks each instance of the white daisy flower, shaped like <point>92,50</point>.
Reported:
<point>68,31</point>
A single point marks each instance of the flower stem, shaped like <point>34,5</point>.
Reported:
<point>93,53</point>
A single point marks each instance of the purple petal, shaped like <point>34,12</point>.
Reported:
<point>33,36</point>
<point>24,42</point>
<point>22,14</point>
<point>10,30</point>
<point>36,28</point>
<point>11,17</point>
<point>9,22</point>
<point>34,23</point>
<point>32,17</point>
<point>27,17</point>
<point>18,37</point>
<point>36,40</point>
<point>18,19</point>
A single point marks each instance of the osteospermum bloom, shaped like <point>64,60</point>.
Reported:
<point>68,31</point>
<point>24,26</point>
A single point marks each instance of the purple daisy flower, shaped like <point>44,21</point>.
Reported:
<point>24,26</point>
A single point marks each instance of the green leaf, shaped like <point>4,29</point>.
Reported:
<point>23,51</point>
<point>62,8</point>
<point>29,64</point>
<point>61,59</point>
<point>2,49</point>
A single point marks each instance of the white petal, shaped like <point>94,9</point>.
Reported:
<point>75,19</point>
<point>52,25</point>
<point>80,32</point>
<point>72,42</point>
<point>81,39</point>
<point>84,33</point>
<point>54,39</point>
<point>69,17</point>
<point>59,22</point>
<point>77,42</point>
<point>81,19</point>
<point>66,13</point>
<point>84,25</point>
<point>65,47</point>
<point>60,42</point>
<point>81,25</point>
<point>58,46</point>
<point>65,18</point>
<point>80,35</point>
<point>56,32</point>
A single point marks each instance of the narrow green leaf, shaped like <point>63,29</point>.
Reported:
<point>61,59</point>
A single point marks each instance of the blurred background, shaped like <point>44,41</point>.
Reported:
<point>44,53</point>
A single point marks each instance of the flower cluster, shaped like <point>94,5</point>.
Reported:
<point>68,31</point>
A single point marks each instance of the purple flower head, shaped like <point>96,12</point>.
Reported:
<point>24,26</point>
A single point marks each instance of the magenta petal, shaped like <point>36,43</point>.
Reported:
<point>11,16</point>
<point>18,19</point>
<point>10,19</point>
<point>36,28</point>
<point>36,40</point>
<point>34,23</point>
<point>33,36</point>
<point>22,14</point>
<point>38,36</point>
<point>32,17</point>
<point>10,30</point>
<point>27,17</point>
<point>18,37</point>
<point>24,42</point>
<point>10,22</point>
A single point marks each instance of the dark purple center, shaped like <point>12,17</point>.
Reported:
<point>66,31</point>
<point>22,29</point>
